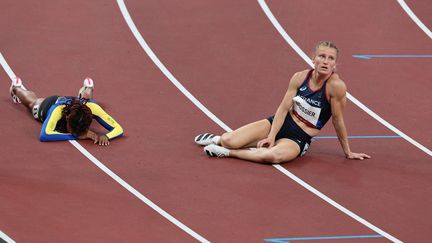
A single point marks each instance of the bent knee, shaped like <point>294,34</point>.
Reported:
<point>229,141</point>
<point>275,157</point>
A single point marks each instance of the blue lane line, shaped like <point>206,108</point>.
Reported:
<point>288,240</point>
<point>351,137</point>
<point>391,56</point>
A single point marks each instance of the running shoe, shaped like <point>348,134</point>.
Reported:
<point>207,139</point>
<point>16,83</point>
<point>214,150</point>
<point>87,84</point>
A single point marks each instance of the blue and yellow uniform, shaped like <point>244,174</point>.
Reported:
<point>50,118</point>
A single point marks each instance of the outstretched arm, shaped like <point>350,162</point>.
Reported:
<point>114,128</point>
<point>338,103</point>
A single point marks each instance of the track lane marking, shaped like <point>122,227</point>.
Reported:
<point>414,18</point>
<point>289,240</point>
<point>115,177</point>
<point>303,55</point>
<point>357,137</point>
<point>391,56</point>
<point>4,237</point>
<point>171,77</point>
<point>336,205</point>
<point>162,67</point>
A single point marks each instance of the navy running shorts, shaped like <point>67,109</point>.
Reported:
<point>292,131</point>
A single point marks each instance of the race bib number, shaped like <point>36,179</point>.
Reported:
<point>306,111</point>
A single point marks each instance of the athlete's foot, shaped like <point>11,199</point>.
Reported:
<point>86,91</point>
<point>207,139</point>
<point>214,150</point>
<point>16,83</point>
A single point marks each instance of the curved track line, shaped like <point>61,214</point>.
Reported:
<point>137,193</point>
<point>300,52</point>
<point>115,177</point>
<point>162,67</point>
<point>158,63</point>
<point>414,18</point>
<point>336,205</point>
<point>6,238</point>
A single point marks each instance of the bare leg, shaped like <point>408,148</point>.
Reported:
<point>246,136</point>
<point>284,150</point>
<point>28,98</point>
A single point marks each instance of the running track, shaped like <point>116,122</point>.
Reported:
<point>230,57</point>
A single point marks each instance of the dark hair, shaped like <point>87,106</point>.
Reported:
<point>76,118</point>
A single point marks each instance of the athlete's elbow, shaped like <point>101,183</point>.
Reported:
<point>43,138</point>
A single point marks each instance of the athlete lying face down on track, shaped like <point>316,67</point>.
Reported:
<point>313,96</point>
<point>67,117</point>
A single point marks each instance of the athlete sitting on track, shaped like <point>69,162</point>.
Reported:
<point>67,117</point>
<point>313,96</point>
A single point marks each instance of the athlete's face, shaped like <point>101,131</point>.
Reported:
<point>325,60</point>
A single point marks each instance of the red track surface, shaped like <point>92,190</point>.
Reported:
<point>232,59</point>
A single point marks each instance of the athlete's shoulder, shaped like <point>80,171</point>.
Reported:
<point>336,80</point>
<point>336,85</point>
<point>301,74</point>
<point>299,77</point>
<point>93,106</point>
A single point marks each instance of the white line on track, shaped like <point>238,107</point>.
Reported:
<point>115,177</point>
<point>162,67</point>
<point>336,205</point>
<point>300,52</point>
<point>6,238</point>
<point>414,18</point>
<point>171,77</point>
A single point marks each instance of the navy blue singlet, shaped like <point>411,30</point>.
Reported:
<point>312,107</point>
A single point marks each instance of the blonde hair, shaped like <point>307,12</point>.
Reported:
<point>327,44</point>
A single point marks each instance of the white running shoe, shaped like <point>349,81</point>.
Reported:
<point>214,150</point>
<point>207,139</point>
<point>16,83</point>
<point>87,84</point>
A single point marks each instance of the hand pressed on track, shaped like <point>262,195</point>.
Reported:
<point>358,156</point>
<point>103,140</point>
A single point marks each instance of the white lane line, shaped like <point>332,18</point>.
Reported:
<point>300,52</point>
<point>162,67</point>
<point>158,63</point>
<point>414,18</point>
<point>115,177</point>
<point>137,193</point>
<point>6,238</point>
<point>336,205</point>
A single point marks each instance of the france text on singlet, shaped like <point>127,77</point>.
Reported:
<point>312,107</point>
